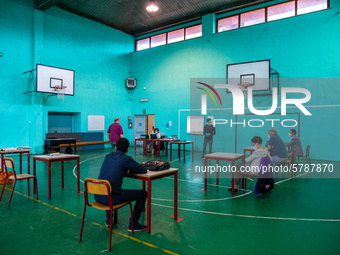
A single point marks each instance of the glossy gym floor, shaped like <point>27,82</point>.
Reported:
<point>301,216</point>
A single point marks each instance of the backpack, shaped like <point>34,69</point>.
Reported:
<point>156,165</point>
<point>266,181</point>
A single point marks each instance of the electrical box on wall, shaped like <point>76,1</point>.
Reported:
<point>131,83</point>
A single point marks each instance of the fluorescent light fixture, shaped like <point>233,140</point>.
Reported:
<point>152,7</point>
<point>144,100</point>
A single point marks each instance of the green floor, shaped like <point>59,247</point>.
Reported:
<point>301,216</point>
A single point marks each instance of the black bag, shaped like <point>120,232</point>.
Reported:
<point>265,185</point>
<point>156,165</point>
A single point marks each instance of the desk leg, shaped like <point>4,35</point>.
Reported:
<point>170,152</point>
<point>20,163</point>
<point>2,162</point>
<point>179,152</point>
<point>232,178</point>
<point>183,152</point>
<point>166,148</point>
<point>158,148</point>
<point>217,163</point>
<point>34,174</point>
<point>175,195</point>
<point>78,175</point>
<point>49,180</point>
<point>135,146</point>
<point>28,162</point>
<point>149,207</point>
<point>143,182</point>
<point>205,175</point>
<point>192,148</point>
<point>62,173</point>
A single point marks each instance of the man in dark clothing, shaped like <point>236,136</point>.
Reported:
<point>208,131</point>
<point>115,167</point>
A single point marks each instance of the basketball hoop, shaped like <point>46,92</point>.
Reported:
<point>60,91</point>
<point>244,86</point>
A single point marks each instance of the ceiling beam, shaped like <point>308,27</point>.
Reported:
<point>43,5</point>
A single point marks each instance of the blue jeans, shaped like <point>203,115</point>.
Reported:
<point>127,195</point>
<point>276,158</point>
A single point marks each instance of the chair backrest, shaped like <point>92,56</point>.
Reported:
<point>99,187</point>
<point>9,163</point>
<point>307,150</point>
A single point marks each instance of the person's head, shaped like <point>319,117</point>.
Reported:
<point>272,132</point>
<point>256,142</point>
<point>292,132</point>
<point>209,121</point>
<point>117,120</point>
<point>122,145</point>
<point>156,131</point>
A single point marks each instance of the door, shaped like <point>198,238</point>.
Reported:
<point>140,125</point>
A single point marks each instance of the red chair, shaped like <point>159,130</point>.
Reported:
<point>288,162</point>
<point>306,156</point>
<point>9,163</point>
<point>102,187</point>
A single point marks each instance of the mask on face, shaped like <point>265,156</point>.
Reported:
<point>156,132</point>
<point>209,123</point>
<point>269,136</point>
<point>289,134</point>
<point>255,147</point>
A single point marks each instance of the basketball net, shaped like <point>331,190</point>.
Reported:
<point>244,86</point>
<point>60,91</point>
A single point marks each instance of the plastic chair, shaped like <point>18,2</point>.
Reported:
<point>287,162</point>
<point>306,156</point>
<point>102,187</point>
<point>9,163</point>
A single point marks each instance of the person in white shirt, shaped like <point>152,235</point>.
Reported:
<point>254,167</point>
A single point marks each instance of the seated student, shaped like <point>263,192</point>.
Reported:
<point>153,145</point>
<point>295,143</point>
<point>276,146</point>
<point>255,159</point>
<point>115,167</point>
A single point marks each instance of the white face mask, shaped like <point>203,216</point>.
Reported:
<point>289,134</point>
<point>269,136</point>
<point>255,147</point>
<point>209,123</point>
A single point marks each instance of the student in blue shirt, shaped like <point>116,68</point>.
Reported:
<point>115,167</point>
<point>276,146</point>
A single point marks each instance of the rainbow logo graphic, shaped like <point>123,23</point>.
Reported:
<point>209,93</point>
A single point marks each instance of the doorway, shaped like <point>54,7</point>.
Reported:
<point>143,124</point>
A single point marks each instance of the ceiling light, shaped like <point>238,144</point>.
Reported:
<point>152,7</point>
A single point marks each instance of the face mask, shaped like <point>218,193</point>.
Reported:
<point>209,123</point>
<point>156,132</point>
<point>269,136</point>
<point>255,147</point>
<point>289,134</point>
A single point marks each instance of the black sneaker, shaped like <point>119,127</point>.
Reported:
<point>137,227</point>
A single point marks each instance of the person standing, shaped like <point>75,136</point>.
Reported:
<point>115,132</point>
<point>208,131</point>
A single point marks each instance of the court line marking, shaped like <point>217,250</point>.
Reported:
<point>250,216</point>
<point>94,223</point>
<point>289,178</point>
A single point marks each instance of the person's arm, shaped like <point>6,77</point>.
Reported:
<point>204,130</point>
<point>214,131</point>
<point>121,132</point>
<point>251,157</point>
<point>291,143</point>
<point>270,144</point>
<point>135,167</point>
<point>108,135</point>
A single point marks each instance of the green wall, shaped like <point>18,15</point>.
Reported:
<point>303,47</point>
<point>100,56</point>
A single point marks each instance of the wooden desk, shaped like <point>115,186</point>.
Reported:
<point>154,175</point>
<point>250,149</point>
<point>222,156</point>
<point>179,149</point>
<point>146,142</point>
<point>17,152</point>
<point>58,158</point>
